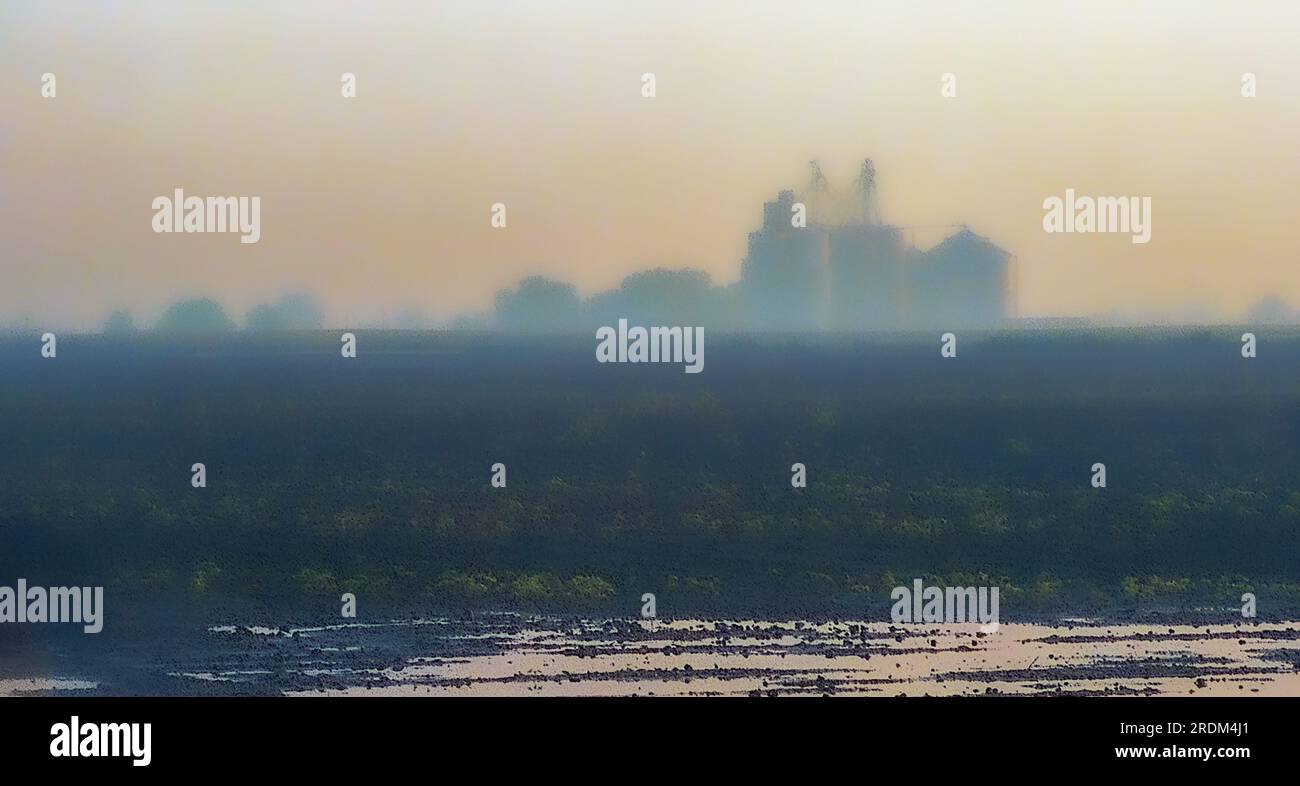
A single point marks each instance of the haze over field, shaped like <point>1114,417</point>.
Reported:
<point>379,206</point>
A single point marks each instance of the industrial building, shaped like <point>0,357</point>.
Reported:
<point>783,280</point>
<point>824,262</point>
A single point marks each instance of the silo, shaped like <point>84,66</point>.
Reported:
<point>866,277</point>
<point>964,281</point>
<point>784,274</point>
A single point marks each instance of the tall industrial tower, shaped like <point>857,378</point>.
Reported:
<point>865,190</point>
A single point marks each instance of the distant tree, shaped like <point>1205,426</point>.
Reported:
<point>298,311</point>
<point>473,323</point>
<point>198,315</point>
<point>661,297</point>
<point>539,304</point>
<point>1270,310</point>
<point>301,311</point>
<point>263,318</point>
<point>119,322</point>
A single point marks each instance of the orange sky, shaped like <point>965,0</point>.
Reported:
<point>381,203</point>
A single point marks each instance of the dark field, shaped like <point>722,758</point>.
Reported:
<point>371,475</point>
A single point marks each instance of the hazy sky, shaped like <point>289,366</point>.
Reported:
<point>382,202</point>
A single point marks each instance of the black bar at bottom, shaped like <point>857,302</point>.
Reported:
<point>332,736</point>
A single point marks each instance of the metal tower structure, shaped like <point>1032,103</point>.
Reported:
<point>819,200</point>
<point>865,190</point>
